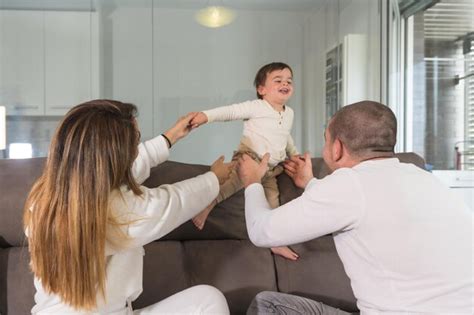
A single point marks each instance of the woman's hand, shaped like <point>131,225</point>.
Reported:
<point>221,169</point>
<point>299,168</point>
<point>199,120</point>
<point>181,128</point>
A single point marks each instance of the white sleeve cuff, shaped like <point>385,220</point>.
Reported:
<point>209,116</point>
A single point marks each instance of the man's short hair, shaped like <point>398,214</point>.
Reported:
<point>366,128</point>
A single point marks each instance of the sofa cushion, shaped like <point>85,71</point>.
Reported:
<point>17,177</point>
<point>227,219</point>
<point>16,281</point>
<point>318,274</point>
<point>164,272</point>
<point>237,268</point>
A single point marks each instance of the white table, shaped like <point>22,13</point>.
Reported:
<point>461,182</point>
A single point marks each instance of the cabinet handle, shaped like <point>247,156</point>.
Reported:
<point>25,107</point>
<point>60,107</point>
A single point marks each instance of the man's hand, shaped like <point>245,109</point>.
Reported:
<point>221,169</point>
<point>250,171</point>
<point>300,169</point>
<point>199,120</point>
<point>181,128</point>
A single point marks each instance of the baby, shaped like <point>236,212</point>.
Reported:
<point>267,127</point>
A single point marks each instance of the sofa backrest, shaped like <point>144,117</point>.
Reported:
<point>239,269</point>
<point>16,179</point>
<point>18,176</point>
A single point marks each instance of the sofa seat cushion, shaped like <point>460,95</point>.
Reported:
<point>16,281</point>
<point>318,274</point>
<point>16,179</point>
<point>236,267</point>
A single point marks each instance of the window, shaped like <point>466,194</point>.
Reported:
<point>465,149</point>
<point>439,120</point>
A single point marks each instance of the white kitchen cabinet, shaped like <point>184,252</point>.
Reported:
<point>22,62</point>
<point>49,60</point>
<point>67,39</point>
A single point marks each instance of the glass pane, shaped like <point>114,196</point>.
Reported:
<point>440,98</point>
<point>157,55</point>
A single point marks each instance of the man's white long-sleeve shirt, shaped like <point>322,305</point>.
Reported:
<point>405,240</point>
<point>151,215</point>
<point>265,129</point>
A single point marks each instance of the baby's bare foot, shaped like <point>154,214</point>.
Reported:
<point>285,252</point>
<point>200,219</point>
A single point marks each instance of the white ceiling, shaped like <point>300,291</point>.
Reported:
<point>80,5</point>
<point>278,5</point>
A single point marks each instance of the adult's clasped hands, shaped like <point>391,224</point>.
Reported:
<point>298,167</point>
<point>181,128</point>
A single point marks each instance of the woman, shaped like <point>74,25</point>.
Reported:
<point>87,217</point>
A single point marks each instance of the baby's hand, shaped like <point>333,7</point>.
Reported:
<point>198,120</point>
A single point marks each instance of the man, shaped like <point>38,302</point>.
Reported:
<point>404,239</point>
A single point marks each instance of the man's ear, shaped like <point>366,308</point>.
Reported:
<point>337,149</point>
<point>261,90</point>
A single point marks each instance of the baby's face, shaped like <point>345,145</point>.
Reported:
<point>278,86</point>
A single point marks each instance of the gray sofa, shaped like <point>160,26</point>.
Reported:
<point>220,255</point>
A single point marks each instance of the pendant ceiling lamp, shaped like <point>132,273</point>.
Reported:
<point>215,16</point>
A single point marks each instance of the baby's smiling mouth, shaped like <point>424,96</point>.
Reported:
<point>284,90</point>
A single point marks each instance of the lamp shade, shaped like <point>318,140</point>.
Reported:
<point>3,128</point>
<point>215,16</point>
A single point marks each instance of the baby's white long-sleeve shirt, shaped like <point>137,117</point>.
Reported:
<point>265,129</point>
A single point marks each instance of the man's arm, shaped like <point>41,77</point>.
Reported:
<point>326,206</point>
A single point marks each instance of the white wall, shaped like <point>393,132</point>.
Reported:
<point>168,65</point>
<point>126,56</point>
<point>363,17</point>
<point>198,68</point>
<point>323,30</point>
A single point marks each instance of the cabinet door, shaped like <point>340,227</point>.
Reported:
<point>67,60</point>
<point>22,62</point>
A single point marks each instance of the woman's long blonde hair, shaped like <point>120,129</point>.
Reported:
<point>67,211</point>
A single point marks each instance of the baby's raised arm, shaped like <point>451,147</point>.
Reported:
<point>239,111</point>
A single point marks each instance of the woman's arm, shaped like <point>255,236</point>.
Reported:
<point>150,154</point>
<point>156,151</point>
<point>160,210</point>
